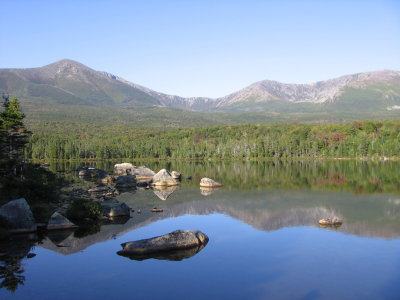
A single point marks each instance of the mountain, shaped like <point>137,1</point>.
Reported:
<point>69,82</point>
<point>72,88</point>
<point>383,87</point>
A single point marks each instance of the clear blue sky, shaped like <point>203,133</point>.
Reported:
<point>204,48</point>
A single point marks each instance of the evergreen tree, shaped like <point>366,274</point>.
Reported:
<point>14,134</point>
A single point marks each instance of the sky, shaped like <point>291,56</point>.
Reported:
<point>204,48</point>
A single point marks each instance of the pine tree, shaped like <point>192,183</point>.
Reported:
<point>14,134</point>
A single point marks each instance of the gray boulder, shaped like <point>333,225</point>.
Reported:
<point>164,178</point>
<point>58,221</point>
<point>18,216</point>
<point>125,182</point>
<point>124,168</point>
<point>177,240</point>
<point>115,209</point>
<point>143,171</point>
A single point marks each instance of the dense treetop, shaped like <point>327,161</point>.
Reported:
<point>65,140</point>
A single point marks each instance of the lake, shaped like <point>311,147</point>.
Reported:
<point>265,241</point>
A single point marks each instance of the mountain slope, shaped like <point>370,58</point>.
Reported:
<point>382,86</point>
<point>66,82</point>
<point>69,82</point>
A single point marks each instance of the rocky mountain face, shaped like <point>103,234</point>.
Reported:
<point>69,82</point>
<point>318,92</point>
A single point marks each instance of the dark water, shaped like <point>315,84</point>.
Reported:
<point>265,242</point>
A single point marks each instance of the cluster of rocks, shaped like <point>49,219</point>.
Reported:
<point>129,176</point>
<point>19,218</point>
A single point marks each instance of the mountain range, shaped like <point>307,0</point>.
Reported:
<point>70,83</point>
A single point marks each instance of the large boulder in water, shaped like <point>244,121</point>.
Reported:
<point>58,221</point>
<point>177,240</point>
<point>115,209</point>
<point>125,182</point>
<point>209,183</point>
<point>18,216</point>
<point>143,172</point>
<point>124,168</point>
<point>164,178</point>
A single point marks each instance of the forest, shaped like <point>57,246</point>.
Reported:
<point>80,141</point>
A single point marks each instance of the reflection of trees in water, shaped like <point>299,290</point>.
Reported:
<point>337,175</point>
<point>11,273</point>
<point>15,251</point>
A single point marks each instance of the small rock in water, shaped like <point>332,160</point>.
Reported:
<point>156,210</point>
<point>330,221</point>
<point>208,182</point>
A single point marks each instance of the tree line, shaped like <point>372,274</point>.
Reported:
<point>79,140</point>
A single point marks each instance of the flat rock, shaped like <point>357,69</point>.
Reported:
<point>177,240</point>
<point>18,216</point>
<point>113,209</point>
<point>98,189</point>
<point>58,221</point>
<point>208,182</point>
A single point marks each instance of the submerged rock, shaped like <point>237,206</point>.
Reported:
<point>177,240</point>
<point>91,172</point>
<point>58,221</point>
<point>142,184</point>
<point>125,182</point>
<point>174,255</point>
<point>18,216</point>
<point>107,179</point>
<point>98,189</point>
<point>208,182</point>
<point>164,178</point>
<point>115,209</point>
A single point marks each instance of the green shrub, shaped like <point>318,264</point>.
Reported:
<point>41,212</point>
<point>84,209</point>
<point>87,228</point>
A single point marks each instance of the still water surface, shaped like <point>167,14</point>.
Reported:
<point>265,242</point>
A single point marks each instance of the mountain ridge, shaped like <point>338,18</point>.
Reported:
<point>70,82</point>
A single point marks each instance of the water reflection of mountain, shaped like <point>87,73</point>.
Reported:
<point>364,215</point>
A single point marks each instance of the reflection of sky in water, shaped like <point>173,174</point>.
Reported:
<point>264,239</point>
<point>239,262</point>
